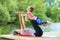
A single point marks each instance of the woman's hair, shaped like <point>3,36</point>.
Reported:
<point>16,33</point>
<point>31,7</point>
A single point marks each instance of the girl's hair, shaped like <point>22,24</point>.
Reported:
<point>31,7</point>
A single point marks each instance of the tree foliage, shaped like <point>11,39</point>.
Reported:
<point>4,15</point>
<point>45,9</point>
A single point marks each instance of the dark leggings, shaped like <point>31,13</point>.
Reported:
<point>38,30</point>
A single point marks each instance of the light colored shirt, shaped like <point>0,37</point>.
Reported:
<point>31,16</point>
<point>27,32</point>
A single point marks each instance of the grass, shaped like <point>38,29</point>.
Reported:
<point>7,29</point>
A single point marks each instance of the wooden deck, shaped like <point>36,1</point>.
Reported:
<point>47,36</point>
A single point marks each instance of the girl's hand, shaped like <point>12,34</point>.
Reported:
<point>45,24</point>
<point>48,23</point>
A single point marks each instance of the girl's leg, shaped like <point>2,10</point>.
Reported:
<point>38,30</point>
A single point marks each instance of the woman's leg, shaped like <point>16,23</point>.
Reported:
<point>38,30</point>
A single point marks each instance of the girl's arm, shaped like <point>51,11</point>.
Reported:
<point>46,24</point>
<point>31,16</point>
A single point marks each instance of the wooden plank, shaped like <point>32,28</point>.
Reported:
<point>26,38</point>
<point>7,36</point>
<point>53,36</point>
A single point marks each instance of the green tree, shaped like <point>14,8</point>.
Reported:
<point>4,15</point>
<point>53,10</point>
<point>8,9</point>
<point>39,6</point>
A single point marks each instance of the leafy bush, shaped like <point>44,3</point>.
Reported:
<point>4,15</point>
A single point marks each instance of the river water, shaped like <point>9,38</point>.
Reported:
<point>53,27</point>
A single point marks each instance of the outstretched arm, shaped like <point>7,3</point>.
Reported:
<point>46,24</point>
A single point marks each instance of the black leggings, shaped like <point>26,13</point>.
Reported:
<point>38,30</point>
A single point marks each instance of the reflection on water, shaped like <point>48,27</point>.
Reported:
<point>54,27</point>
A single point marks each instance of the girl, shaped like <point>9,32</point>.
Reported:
<point>35,21</point>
